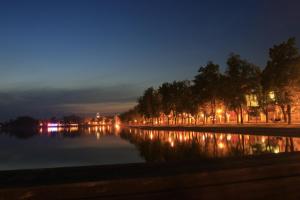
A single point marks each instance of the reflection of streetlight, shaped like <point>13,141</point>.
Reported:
<point>172,144</point>
<point>221,145</point>
<point>228,137</point>
<point>117,126</point>
<point>276,150</point>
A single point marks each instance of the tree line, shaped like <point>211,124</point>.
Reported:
<point>212,95</point>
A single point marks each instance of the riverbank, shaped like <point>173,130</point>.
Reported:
<point>249,129</point>
<point>262,177</point>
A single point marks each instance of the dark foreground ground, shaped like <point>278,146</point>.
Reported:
<point>263,177</point>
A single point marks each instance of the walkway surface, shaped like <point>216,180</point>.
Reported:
<point>265,177</point>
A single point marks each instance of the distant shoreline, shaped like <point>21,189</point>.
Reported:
<point>249,129</point>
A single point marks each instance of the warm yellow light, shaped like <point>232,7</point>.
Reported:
<point>180,137</point>
<point>117,126</point>
<point>221,145</point>
<point>272,95</point>
<point>228,137</point>
<point>219,110</point>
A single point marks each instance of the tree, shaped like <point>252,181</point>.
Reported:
<point>207,86</point>
<point>243,79</point>
<point>150,104</point>
<point>167,101</point>
<point>131,115</point>
<point>180,94</point>
<point>282,74</point>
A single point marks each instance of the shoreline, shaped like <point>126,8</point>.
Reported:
<point>90,173</point>
<point>247,129</point>
<point>157,180</point>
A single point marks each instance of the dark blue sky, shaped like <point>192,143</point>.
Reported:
<point>60,57</point>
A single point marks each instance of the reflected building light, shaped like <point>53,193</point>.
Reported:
<point>52,129</point>
<point>73,129</point>
<point>53,125</point>
<point>98,136</point>
<point>203,137</point>
<point>221,145</point>
<point>229,137</point>
<point>263,139</point>
<point>117,126</point>
<point>172,144</point>
<point>151,136</point>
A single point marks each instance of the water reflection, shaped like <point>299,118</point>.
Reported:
<point>97,131</point>
<point>148,145</point>
<point>175,145</point>
<point>62,147</point>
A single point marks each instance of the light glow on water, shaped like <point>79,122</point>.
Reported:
<point>99,145</point>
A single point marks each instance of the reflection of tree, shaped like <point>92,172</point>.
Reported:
<point>180,145</point>
<point>289,144</point>
<point>22,133</point>
<point>157,150</point>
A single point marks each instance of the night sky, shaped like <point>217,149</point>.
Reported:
<point>82,57</point>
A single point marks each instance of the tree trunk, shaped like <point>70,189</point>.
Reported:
<point>237,116</point>
<point>283,112</point>
<point>289,112</point>
<point>214,111</point>
<point>241,111</point>
<point>292,144</point>
<point>267,116</point>
<point>225,115</point>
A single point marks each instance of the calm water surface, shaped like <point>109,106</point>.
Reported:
<point>105,145</point>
